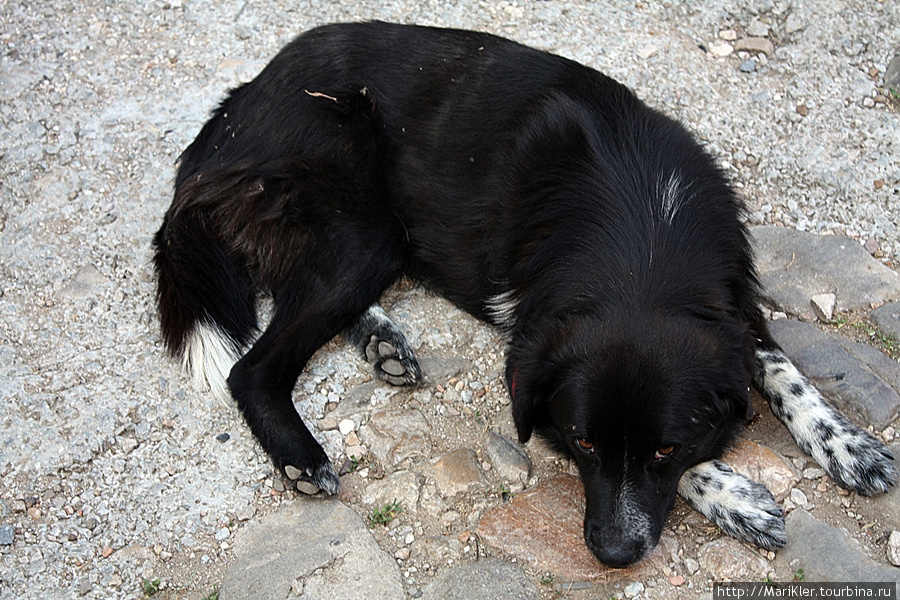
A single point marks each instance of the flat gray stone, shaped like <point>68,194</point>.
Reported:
<point>857,378</point>
<point>887,318</point>
<point>509,458</point>
<point>892,75</point>
<point>826,554</point>
<point>794,266</point>
<point>320,546</point>
<point>396,436</point>
<point>487,578</point>
<point>441,369</point>
<point>87,281</point>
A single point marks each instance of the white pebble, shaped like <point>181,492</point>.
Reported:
<point>346,426</point>
<point>633,589</point>
<point>798,497</point>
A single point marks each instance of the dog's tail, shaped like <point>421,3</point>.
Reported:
<point>206,302</point>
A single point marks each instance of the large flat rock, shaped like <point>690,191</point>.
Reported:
<point>795,265</point>
<point>857,378</point>
<point>543,527</point>
<point>487,578</point>
<point>319,547</point>
<point>826,554</point>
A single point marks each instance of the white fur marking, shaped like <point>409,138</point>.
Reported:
<point>376,313</point>
<point>502,309</point>
<point>672,198</point>
<point>628,514</point>
<point>208,356</point>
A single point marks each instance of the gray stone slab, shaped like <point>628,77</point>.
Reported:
<point>321,548</point>
<point>795,265</point>
<point>827,554</point>
<point>887,318</point>
<point>857,378</point>
<point>487,578</point>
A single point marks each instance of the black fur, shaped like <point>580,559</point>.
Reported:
<point>533,192</point>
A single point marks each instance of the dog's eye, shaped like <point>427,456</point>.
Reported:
<point>664,452</point>
<point>585,445</point>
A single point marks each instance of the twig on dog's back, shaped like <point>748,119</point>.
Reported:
<point>321,95</point>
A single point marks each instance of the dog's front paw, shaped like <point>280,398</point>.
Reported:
<point>739,506</point>
<point>313,480</point>
<point>852,456</point>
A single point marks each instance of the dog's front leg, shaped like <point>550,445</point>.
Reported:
<point>739,506</point>
<point>850,455</point>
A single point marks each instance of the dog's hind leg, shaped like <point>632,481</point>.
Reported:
<point>739,506</point>
<point>383,345</point>
<point>311,308</point>
<point>850,455</point>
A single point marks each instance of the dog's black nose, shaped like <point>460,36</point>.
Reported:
<point>615,551</point>
<point>618,556</point>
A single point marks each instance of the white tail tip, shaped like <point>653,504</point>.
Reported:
<point>208,356</point>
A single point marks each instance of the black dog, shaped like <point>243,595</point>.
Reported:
<point>535,193</point>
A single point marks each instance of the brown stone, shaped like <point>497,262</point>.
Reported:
<point>544,528</point>
<point>755,45</point>
<point>763,465</point>
<point>728,558</point>
<point>456,471</point>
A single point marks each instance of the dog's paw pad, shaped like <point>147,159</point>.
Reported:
<point>313,481</point>
<point>394,363</point>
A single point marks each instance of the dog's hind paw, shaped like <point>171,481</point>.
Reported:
<point>739,506</point>
<point>382,343</point>
<point>393,362</point>
<point>311,481</point>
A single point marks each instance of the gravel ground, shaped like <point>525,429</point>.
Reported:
<point>111,468</point>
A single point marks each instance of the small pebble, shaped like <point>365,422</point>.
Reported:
<point>647,51</point>
<point>729,35</point>
<point>798,497</point>
<point>223,437</point>
<point>813,473</point>
<point>402,554</point>
<point>748,66</point>
<point>7,535</point>
<point>691,565</point>
<point>346,426</point>
<point>633,589</point>
<point>894,548</point>
<point>720,49</point>
<point>327,424</point>
<point>676,580</point>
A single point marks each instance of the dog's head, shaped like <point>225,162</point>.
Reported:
<point>635,405</point>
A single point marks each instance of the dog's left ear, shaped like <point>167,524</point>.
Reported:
<point>534,372</point>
